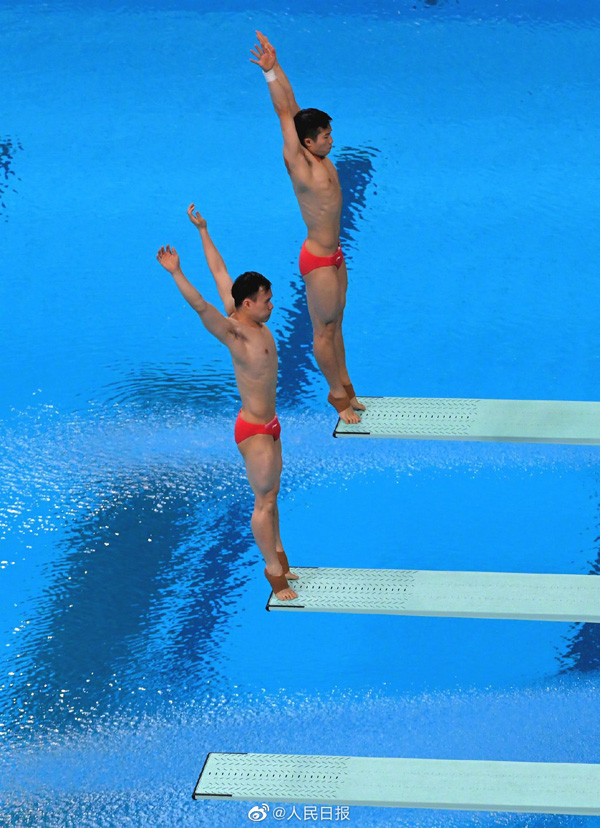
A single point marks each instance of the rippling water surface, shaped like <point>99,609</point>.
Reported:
<point>135,637</point>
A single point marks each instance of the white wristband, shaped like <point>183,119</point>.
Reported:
<point>270,76</point>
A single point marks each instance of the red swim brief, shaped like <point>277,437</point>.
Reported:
<point>243,430</point>
<point>308,261</point>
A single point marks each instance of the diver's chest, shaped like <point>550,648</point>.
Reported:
<point>326,180</point>
<point>261,352</point>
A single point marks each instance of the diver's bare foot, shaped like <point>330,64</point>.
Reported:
<point>286,594</point>
<point>356,405</point>
<point>349,415</point>
<point>343,408</point>
<point>279,584</point>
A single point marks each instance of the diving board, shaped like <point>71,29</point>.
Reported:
<point>532,787</point>
<point>435,593</point>
<point>525,421</point>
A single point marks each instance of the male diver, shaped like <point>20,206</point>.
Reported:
<point>248,306</point>
<point>306,145</point>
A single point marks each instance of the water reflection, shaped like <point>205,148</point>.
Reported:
<point>138,596</point>
<point>582,652</point>
<point>175,387</point>
<point>355,169</point>
<point>8,147</point>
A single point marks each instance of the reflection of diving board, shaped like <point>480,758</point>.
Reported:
<point>534,787</point>
<point>526,421</point>
<point>458,594</point>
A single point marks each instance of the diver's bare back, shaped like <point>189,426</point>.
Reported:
<point>254,356</point>
<point>317,187</point>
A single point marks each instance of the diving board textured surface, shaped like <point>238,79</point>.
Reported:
<point>456,594</point>
<point>526,421</point>
<point>534,787</point>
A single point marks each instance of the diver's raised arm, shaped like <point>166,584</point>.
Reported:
<point>215,323</point>
<point>214,260</point>
<point>281,76</point>
<point>282,97</point>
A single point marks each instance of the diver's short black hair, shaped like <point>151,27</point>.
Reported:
<point>247,286</point>
<point>309,122</point>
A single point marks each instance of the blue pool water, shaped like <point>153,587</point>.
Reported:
<point>135,637</point>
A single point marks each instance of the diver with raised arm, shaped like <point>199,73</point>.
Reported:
<point>248,306</point>
<point>306,144</point>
